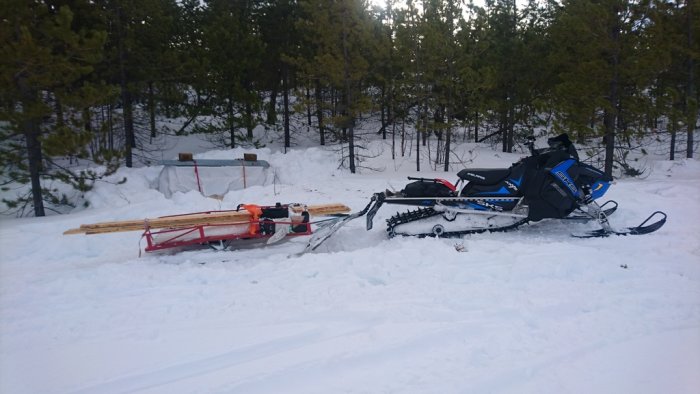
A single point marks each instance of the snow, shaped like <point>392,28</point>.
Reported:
<point>532,311</point>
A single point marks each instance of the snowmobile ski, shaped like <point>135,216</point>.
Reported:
<point>641,229</point>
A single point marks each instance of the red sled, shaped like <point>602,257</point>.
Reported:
<point>264,222</point>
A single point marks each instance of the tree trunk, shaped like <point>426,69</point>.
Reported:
<point>448,147</point>
<point>503,127</point>
<point>60,121</point>
<point>308,105</point>
<point>34,155</point>
<point>382,107</point>
<point>285,88</point>
<point>511,125</point>
<point>351,144</point>
<point>31,131</point>
<point>87,120</point>
<point>393,141</point>
<point>31,135</point>
<point>348,102</point>
<point>691,100</point>
<point>96,141</point>
<point>249,120</point>
<point>319,111</point>
<point>403,137</point>
<point>389,117</point>
<point>272,105</point>
<point>672,156</point>
<point>476,126</point>
<point>130,140</point>
<point>110,127</point>
<point>231,123</point>
<point>418,148</point>
<point>152,109</point>
<point>448,120</point>
<point>609,140</point>
<point>611,112</point>
<point>424,134</point>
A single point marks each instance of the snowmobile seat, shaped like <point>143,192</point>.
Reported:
<point>484,176</point>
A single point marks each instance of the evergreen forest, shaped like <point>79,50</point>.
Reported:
<point>85,85</point>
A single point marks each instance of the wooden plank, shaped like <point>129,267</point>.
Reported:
<point>173,220</point>
<point>325,209</point>
<point>188,220</point>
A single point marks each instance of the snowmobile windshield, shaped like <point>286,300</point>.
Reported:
<point>562,142</point>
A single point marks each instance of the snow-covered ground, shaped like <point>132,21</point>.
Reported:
<point>532,311</point>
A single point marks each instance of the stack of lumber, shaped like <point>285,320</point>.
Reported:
<point>198,219</point>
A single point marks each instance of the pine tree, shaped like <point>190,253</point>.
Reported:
<point>189,94</point>
<point>157,57</point>
<point>439,54</point>
<point>277,23</point>
<point>149,60</point>
<point>410,89</point>
<point>589,40</point>
<point>619,62</point>
<point>380,62</point>
<point>472,68</point>
<point>47,59</point>
<point>233,51</point>
<point>502,59</point>
<point>405,73</point>
<point>339,33</point>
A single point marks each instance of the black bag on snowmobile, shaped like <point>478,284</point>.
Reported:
<point>427,188</point>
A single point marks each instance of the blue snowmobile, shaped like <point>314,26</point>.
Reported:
<point>551,183</point>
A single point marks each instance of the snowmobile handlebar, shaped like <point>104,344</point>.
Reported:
<point>531,145</point>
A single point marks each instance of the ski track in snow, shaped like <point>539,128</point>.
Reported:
<point>531,311</point>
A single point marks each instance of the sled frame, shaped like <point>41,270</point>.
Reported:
<point>197,234</point>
